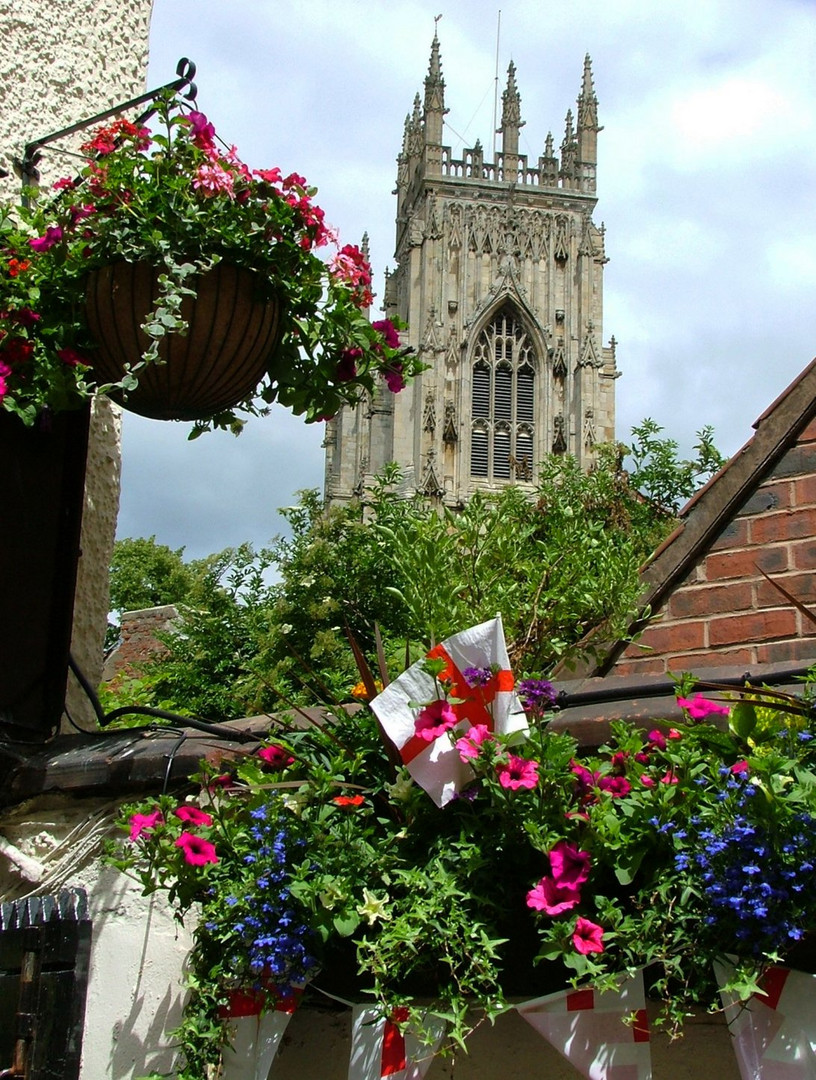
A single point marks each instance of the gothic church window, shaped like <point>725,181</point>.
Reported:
<point>502,409</point>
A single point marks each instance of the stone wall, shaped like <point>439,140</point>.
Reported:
<point>725,611</point>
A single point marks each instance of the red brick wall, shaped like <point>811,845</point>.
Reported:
<point>138,640</point>
<point>724,611</point>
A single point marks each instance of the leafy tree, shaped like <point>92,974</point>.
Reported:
<point>557,562</point>
<point>658,473</point>
<point>145,574</point>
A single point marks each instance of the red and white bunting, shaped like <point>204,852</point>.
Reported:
<point>774,1035</point>
<point>256,1034</point>
<point>381,1051</point>
<point>588,1029</point>
<point>436,766</point>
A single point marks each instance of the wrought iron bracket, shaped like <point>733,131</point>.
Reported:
<point>183,85</point>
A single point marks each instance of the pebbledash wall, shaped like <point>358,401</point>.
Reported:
<point>61,62</point>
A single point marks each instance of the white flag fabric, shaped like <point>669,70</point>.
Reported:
<point>381,1051</point>
<point>588,1029</point>
<point>774,1035</point>
<point>436,765</point>
<point>256,1034</point>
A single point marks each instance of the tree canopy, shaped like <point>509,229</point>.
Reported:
<point>557,559</point>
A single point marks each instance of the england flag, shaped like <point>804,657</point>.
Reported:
<point>436,765</point>
<point>382,1050</point>
<point>773,1034</point>
<point>605,1036</point>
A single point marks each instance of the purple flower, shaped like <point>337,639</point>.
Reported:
<point>537,695</point>
<point>477,676</point>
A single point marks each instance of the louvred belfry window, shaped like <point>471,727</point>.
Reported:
<point>502,408</point>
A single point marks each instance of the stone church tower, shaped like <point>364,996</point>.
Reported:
<point>499,277</point>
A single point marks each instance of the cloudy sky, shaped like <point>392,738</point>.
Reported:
<point>706,184</point>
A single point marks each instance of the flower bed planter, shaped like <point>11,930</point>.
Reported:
<point>217,364</point>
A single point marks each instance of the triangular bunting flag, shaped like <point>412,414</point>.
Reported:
<point>256,1034</point>
<point>436,765</point>
<point>774,1035</point>
<point>381,1051</point>
<point>588,1029</point>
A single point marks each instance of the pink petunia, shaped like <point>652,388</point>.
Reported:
<point>388,331</point>
<point>668,778</point>
<point>699,707</point>
<point>214,180</point>
<point>470,744</point>
<point>647,781</point>
<point>740,767</point>
<point>569,865</point>
<point>276,757</point>
<point>70,357</point>
<point>588,937</point>
<point>192,815</point>
<point>202,131</point>
<point>518,773</point>
<point>347,364</point>
<point>53,235</point>
<point>616,786</point>
<point>142,823</point>
<point>551,898</point>
<point>394,378</point>
<point>197,850</point>
<point>434,720</point>
<point>657,740</point>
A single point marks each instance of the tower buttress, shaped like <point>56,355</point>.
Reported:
<point>588,129</point>
<point>434,110</point>
<point>511,124</point>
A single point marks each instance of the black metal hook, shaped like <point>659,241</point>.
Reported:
<point>184,86</point>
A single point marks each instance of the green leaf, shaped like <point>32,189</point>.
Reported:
<point>743,719</point>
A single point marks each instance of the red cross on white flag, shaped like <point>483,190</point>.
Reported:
<point>774,1035</point>
<point>436,765</point>
<point>605,1036</point>
<point>381,1051</point>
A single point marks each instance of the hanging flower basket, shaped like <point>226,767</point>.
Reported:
<point>232,333</point>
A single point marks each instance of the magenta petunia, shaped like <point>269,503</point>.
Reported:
<point>434,720</point>
<point>569,865</point>
<point>394,378</point>
<point>470,744</point>
<point>518,773</point>
<point>551,898</point>
<point>647,781</point>
<point>202,132</point>
<point>740,767</point>
<point>388,331</point>
<point>192,815</point>
<point>616,786</point>
<point>53,235</point>
<point>588,936</point>
<point>197,850</point>
<point>699,707</point>
<point>142,823</point>
<point>276,757</point>
<point>657,740</point>
<point>347,365</point>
